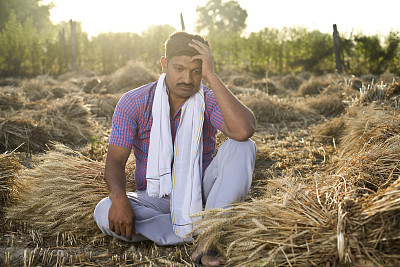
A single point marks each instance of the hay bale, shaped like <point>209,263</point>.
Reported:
<point>326,105</point>
<point>9,166</point>
<point>132,75</point>
<point>25,135</point>
<point>313,86</point>
<point>291,82</point>
<point>60,193</point>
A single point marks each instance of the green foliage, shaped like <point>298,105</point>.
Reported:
<point>25,10</point>
<point>113,50</point>
<point>153,39</point>
<point>217,16</point>
<point>31,45</point>
<point>20,48</point>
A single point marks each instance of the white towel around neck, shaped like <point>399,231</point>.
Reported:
<point>183,182</point>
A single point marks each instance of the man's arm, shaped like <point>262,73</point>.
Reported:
<point>121,216</point>
<point>239,121</point>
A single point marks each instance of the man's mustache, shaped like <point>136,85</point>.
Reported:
<point>185,84</point>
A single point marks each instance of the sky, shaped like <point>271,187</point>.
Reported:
<point>365,16</point>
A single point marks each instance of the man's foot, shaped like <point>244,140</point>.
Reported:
<point>207,258</point>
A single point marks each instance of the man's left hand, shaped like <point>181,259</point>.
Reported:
<point>205,56</point>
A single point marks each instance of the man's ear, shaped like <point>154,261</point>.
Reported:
<point>163,62</point>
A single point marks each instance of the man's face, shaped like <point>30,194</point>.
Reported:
<point>183,76</point>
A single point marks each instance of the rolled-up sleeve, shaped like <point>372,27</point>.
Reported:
<point>123,123</point>
<point>216,118</point>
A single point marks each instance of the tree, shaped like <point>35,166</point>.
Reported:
<point>153,39</point>
<point>218,16</point>
<point>26,9</point>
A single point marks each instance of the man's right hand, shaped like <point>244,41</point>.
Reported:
<point>121,217</point>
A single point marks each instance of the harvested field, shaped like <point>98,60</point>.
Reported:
<point>325,190</point>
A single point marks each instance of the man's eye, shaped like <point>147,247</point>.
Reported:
<point>179,69</point>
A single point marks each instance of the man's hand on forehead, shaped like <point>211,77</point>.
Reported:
<point>205,56</point>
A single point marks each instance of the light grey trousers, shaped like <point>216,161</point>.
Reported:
<point>226,180</point>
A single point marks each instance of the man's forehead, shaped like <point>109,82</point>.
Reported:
<point>185,61</point>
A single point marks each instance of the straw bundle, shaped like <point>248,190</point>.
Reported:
<point>326,105</point>
<point>313,86</point>
<point>35,89</point>
<point>101,105</point>
<point>9,166</point>
<point>24,134</point>
<point>269,110</point>
<point>10,102</point>
<point>291,82</point>
<point>294,228</point>
<point>61,193</point>
<point>366,126</point>
<point>380,93</point>
<point>130,76</point>
<point>330,132</point>
<point>68,120</point>
<point>376,165</point>
<point>374,227</point>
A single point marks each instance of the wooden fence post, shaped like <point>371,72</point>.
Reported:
<point>182,23</point>
<point>336,42</point>
<point>73,47</point>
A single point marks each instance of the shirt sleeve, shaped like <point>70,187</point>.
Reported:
<point>124,123</point>
<point>212,107</point>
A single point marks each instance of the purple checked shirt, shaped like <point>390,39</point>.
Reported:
<point>132,120</point>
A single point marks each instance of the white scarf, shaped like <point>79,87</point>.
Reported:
<point>183,185</point>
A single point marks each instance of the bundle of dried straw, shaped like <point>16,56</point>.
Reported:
<point>9,166</point>
<point>60,194</point>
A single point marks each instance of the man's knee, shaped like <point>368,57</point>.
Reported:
<point>101,213</point>
<point>247,147</point>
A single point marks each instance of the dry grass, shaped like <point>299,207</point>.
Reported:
<point>291,228</point>
<point>330,131</point>
<point>68,119</point>
<point>387,94</point>
<point>349,218</point>
<point>310,203</point>
<point>313,86</point>
<point>60,193</point>
<point>25,135</point>
<point>366,126</point>
<point>268,109</point>
<point>9,166</point>
<point>10,102</point>
<point>328,106</point>
<point>291,82</point>
<point>35,89</point>
<point>101,105</point>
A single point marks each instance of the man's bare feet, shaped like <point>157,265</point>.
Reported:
<point>207,257</point>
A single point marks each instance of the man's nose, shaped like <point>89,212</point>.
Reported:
<point>187,77</point>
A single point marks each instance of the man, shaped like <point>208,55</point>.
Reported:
<point>171,125</point>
